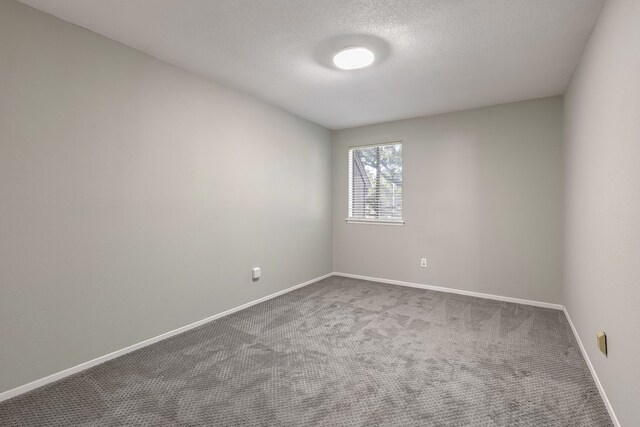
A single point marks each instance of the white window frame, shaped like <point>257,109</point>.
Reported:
<point>372,221</point>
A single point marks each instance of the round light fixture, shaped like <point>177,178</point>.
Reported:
<point>353,58</point>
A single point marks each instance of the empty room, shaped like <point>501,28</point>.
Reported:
<point>320,213</point>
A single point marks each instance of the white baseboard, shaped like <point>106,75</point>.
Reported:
<point>593,371</point>
<point>455,291</point>
<point>86,365</point>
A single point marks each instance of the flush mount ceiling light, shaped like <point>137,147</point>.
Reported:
<point>353,58</point>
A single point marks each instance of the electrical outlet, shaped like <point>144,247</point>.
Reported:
<point>602,341</point>
<point>423,262</point>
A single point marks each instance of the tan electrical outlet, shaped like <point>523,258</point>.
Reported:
<point>602,341</point>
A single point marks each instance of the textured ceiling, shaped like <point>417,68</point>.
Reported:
<point>433,55</point>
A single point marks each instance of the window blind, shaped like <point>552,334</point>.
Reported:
<point>375,183</point>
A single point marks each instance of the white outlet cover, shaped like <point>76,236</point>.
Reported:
<point>256,273</point>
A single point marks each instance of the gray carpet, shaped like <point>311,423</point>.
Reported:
<point>340,352</point>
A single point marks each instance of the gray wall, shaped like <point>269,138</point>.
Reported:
<point>136,197</point>
<point>482,202</point>
<point>602,256</point>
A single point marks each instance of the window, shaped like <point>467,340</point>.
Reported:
<point>375,183</point>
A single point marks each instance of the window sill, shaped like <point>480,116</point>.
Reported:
<point>376,221</point>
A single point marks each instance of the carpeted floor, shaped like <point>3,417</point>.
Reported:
<point>340,352</point>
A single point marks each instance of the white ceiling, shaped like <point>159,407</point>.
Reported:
<point>434,55</point>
